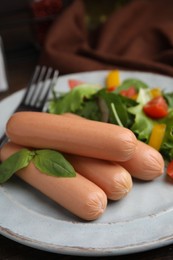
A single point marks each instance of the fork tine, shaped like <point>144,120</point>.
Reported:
<point>43,86</point>
<point>39,78</point>
<point>39,87</point>
<point>51,85</point>
<point>34,78</point>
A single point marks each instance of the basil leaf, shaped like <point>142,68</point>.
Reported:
<point>14,163</point>
<point>53,163</point>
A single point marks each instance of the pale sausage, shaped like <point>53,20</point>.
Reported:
<point>146,163</point>
<point>89,138</point>
<point>113,179</point>
<point>77,194</point>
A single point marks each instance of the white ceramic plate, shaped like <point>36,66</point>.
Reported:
<point>141,221</point>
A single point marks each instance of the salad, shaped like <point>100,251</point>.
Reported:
<point>148,112</point>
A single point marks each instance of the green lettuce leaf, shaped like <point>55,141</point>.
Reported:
<point>90,110</point>
<point>169,99</point>
<point>167,144</point>
<point>120,104</point>
<point>73,100</point>
<point>136,83</point>
<point>142,126</point>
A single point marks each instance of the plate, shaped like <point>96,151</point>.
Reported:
<point>139,222</point>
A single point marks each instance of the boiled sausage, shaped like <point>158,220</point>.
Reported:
<point>88,138</point>
<point>113,179</point>
<point>77,194</point>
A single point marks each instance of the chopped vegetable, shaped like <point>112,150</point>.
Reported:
<point>170,169</point>
<point>156,92</point>
<point>130,92</point>
<point>157,136</point>
<point>113,80</point>
<point>156,108</point>
<point>74,83</point>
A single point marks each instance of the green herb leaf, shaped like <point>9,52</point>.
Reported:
<point>15,162</point>
<point>53,163</point>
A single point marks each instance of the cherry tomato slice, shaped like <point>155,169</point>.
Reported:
<point>156,108</point>
<point>170,169</point>
<point>130,92</point>
<point>74,83</point>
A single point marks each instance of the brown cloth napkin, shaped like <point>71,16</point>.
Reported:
<point>139,36</point>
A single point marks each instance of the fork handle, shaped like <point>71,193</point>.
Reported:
<point>3,140</point>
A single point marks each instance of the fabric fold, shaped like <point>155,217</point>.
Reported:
<point>138,36</point>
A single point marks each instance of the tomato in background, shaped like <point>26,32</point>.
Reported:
<point>170,169</point>
<point>74,83</point>
<point>130,92</point>
<point>156,108</point>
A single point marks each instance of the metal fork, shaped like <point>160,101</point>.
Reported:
<point>36,93</point>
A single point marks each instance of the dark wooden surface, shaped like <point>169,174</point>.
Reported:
<point>10,250</point>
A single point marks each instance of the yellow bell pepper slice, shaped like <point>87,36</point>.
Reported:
<point>113,80</point>
<point>156,92</point>
<point>157,136</point>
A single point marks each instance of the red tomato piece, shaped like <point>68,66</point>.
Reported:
<point>170,169</point>
<point>130,92</point>
<point>74,83</point>
<point>156,108</point>
<point>110,89</point>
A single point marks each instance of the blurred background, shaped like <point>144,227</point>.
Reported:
<point>23,28</point>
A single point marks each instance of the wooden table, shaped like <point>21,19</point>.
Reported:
<point>19,72</point>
